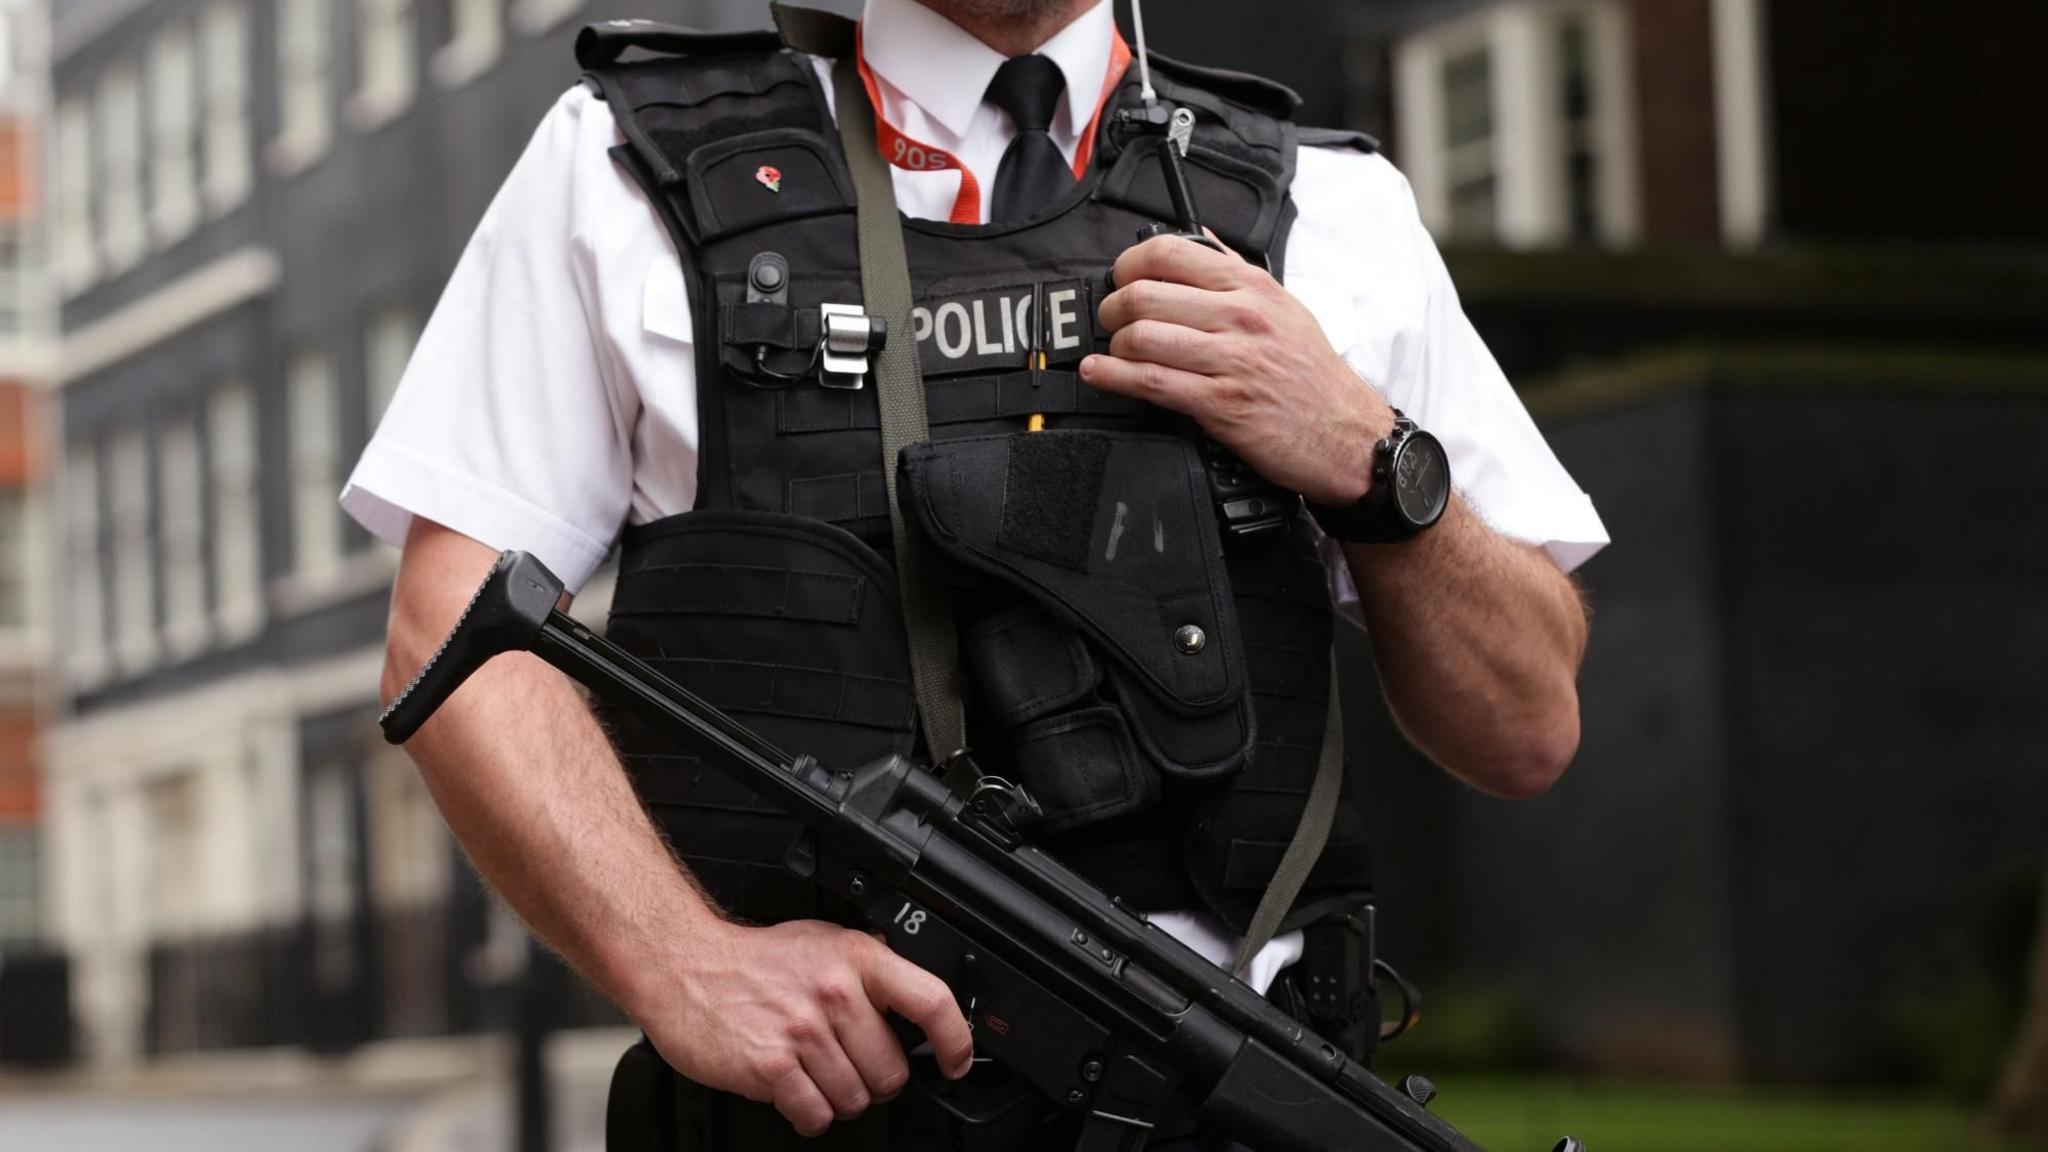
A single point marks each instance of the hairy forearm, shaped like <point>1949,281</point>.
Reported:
<point>531,788</point>
<point>1478,641</point>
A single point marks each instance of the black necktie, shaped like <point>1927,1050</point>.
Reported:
<point>1034,173</point>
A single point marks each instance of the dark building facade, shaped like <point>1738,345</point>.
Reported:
<point>1805,820</point>
<point>1805,824</point>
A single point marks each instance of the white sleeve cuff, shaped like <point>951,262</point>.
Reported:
<point>391,485</point>
<point>1561,521</point>
<point>1576,533</point>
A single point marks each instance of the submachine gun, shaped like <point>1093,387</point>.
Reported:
<point>1073,991</point>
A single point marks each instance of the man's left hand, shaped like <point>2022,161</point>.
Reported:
<point>1219,340</point>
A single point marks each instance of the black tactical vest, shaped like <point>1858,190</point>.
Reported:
<point>1158,683</point>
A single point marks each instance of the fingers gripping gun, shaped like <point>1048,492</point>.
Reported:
<point>1073,991</point>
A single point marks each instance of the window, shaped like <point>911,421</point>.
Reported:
<point>316,457</point>
<point>174,180</point>
<point>305,92</point>
<point>237,551</point>
<point>173,806</point>
<point>121,221</point>
<point>385,79</point>
<point>393,332</point>
<point>1581,139</point>
<point>474,42</point>
<point>1469,158</point>
<point>1522,124</point>
<point>77,256</point>
<point>15,557</point>
<point>18,283</point>
<point>224,36</point>
<point>183,523</point>
<point>20,885</point>
<point>410,849</point>
<point>134,581</point>
<point>332,890</point>
<point>411,869</point>
<point>85,593</point>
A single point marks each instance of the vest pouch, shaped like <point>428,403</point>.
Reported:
<point>769,345</point>
<point>792,626</point>
<point>1026,664</point>
<point>1113,536</point>
<point>766,177</point>
<point>1082,767</point>
<point>1238,200</point>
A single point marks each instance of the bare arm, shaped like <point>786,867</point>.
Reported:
<point>530,786</point>
<point>1478,639</point>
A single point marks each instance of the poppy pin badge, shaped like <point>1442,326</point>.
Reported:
<point>769,177</point>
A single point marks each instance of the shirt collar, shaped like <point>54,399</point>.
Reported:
<point>944,70</point>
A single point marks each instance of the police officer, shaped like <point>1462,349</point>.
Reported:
<point>629,354</point>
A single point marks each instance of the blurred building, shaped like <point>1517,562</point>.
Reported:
<point>1537,123</point>
<point>255,203</point>
<point>27,972</point>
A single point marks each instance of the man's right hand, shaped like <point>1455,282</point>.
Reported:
<point>529,783</point>
<point>793,1016</point>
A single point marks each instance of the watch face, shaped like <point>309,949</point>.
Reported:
<point>1422,480</point>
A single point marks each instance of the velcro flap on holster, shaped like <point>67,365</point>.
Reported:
<point>1082,767</point>
<point>1115,535</point>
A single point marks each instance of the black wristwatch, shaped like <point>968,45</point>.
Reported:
<point>1411,487</point>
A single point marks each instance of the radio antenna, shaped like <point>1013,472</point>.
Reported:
<point>1144,54</point>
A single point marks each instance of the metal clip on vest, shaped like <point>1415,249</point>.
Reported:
<point>848,338</point>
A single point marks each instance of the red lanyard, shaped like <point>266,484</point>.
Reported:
<point>917,156</point>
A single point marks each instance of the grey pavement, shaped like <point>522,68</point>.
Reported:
<point>437,1096</point>
<point>93,1123</point>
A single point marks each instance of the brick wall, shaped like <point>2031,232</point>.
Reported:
<point>1674,79</point>
<point>19,444</point>
<point>18,793</point>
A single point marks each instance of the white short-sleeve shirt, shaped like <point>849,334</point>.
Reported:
<point>552,399</point>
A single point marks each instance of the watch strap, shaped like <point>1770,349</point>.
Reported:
<point>1373,518</point>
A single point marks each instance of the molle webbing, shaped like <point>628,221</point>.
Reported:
<point>1175,776</point>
